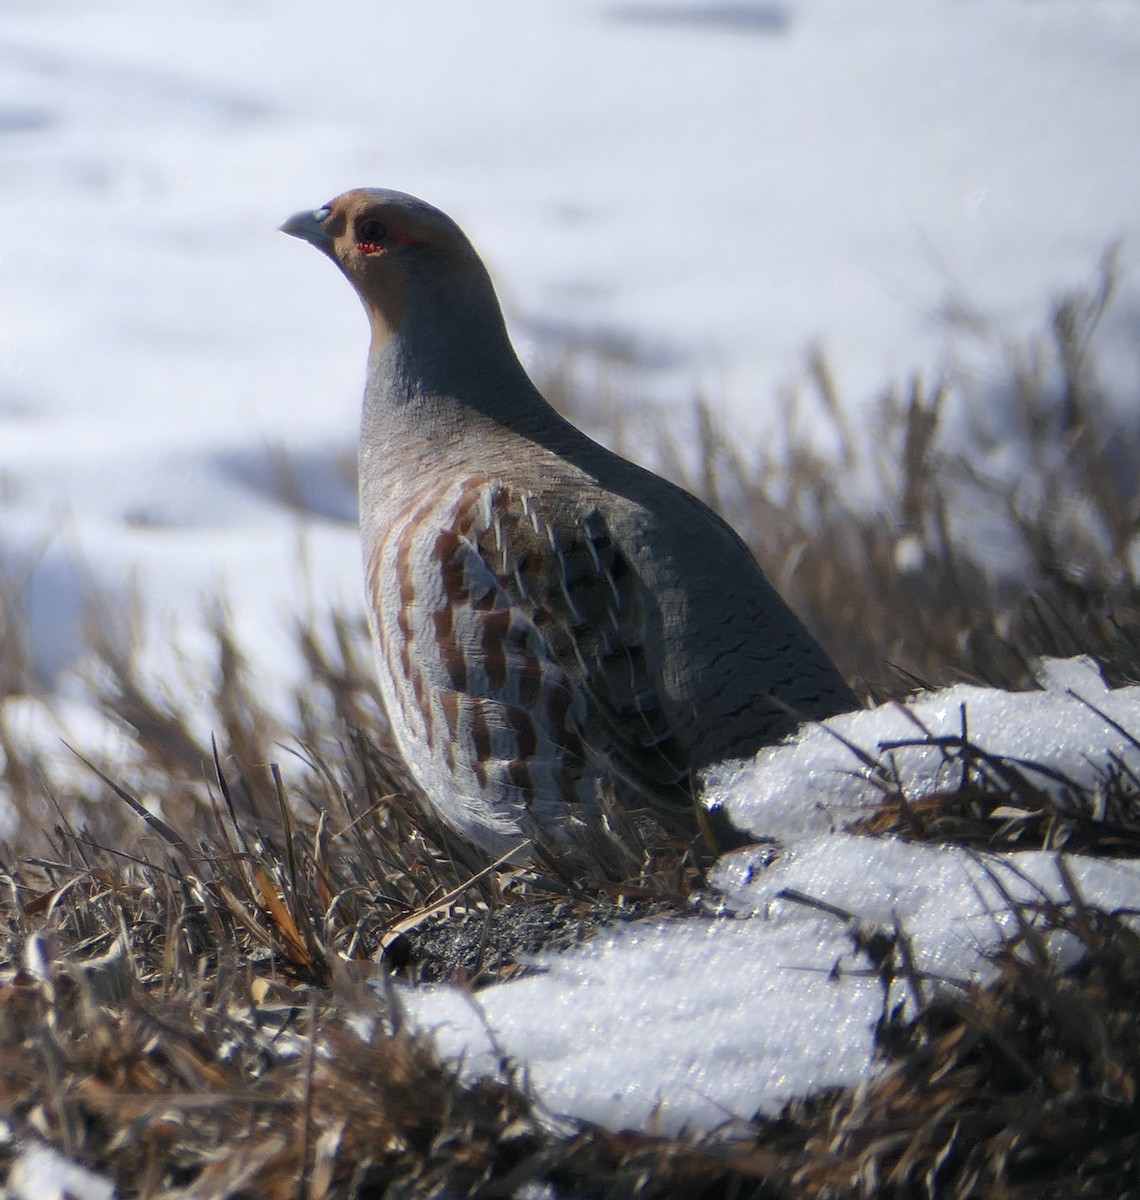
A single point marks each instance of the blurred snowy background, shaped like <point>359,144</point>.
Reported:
<point>703,190</point>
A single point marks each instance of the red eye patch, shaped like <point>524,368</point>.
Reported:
<point>394,238</point>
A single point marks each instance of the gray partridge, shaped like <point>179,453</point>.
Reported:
<point>549,619</point>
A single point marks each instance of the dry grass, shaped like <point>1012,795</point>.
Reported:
<point>184,936</point>
<point>187,1024</point>
<point>1000,803</point>
<point>1037,471</point>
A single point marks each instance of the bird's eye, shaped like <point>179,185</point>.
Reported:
<point>373,231</point>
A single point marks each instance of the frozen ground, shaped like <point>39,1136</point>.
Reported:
<point>707,189</point>
<point>696,1024</point>
<point>703,189</point>
<point>768,993</point>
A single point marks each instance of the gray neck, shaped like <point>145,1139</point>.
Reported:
<point>448,386</point>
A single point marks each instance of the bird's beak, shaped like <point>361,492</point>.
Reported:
<point>309,227</point>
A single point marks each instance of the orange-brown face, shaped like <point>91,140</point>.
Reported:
<point>374,236</point>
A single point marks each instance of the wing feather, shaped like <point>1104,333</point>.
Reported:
<point>515,631</point>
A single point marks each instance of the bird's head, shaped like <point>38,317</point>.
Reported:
<point>400,254</point>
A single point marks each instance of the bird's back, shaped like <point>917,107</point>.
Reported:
<point>733,667</point>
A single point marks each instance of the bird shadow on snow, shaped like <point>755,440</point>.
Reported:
<point>25,119</point>
<point>765,19</point>
<point>317,482</point>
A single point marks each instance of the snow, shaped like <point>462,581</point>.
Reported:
<point>703,192</point>
<point>41,1173</point>
<point>1074,733</point>
<point>708,190</point>
<point>695,1023</point>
